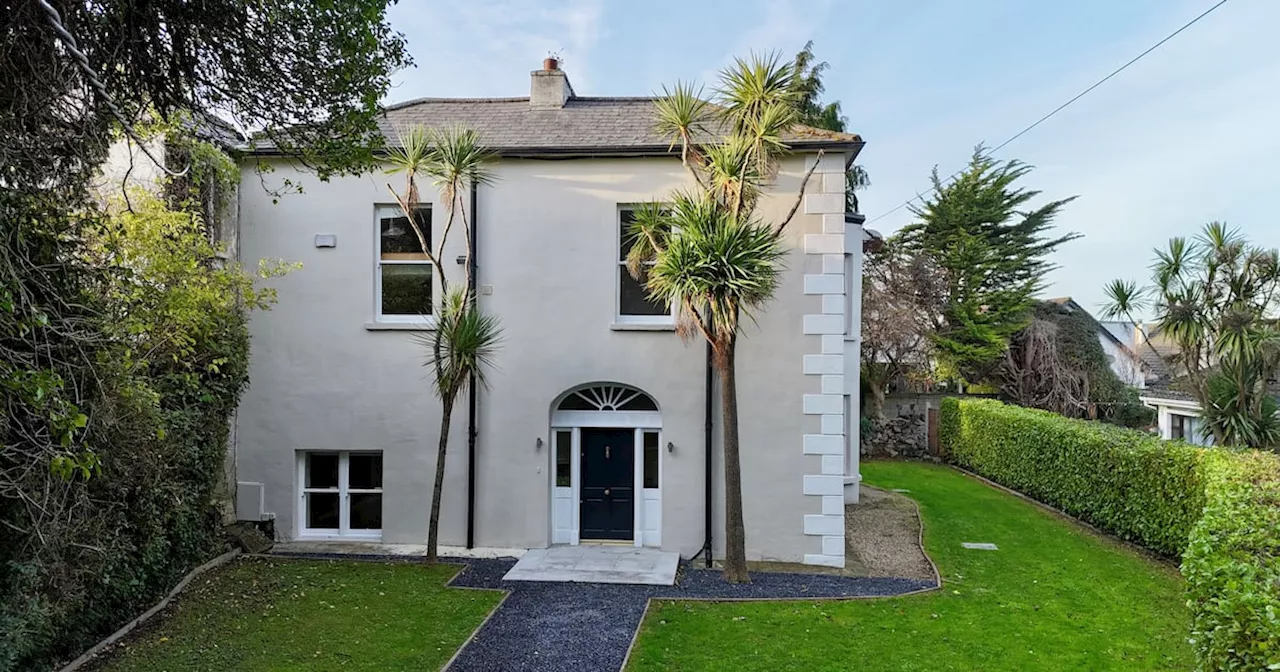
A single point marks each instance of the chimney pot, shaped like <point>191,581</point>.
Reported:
<point>550,63</point>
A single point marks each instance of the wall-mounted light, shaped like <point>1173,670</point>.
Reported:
<point>326,240</point>
<point>537,445</point>
<point>671,447</point>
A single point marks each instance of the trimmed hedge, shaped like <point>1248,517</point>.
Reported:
<point>1232,564</point>
<point>1129,483</point>
<point>1217,508</point>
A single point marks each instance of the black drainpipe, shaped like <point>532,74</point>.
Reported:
<point>471,386</point>
<point>707,524</point>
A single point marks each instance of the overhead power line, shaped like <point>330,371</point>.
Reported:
<point>1064,106</point>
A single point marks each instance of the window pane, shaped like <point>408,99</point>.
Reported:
<point>365,471</point>
<point>322,510</point>
<point>640,402</point>
<point>625,218</point>
<point>366,511</point>
<point>406,289</point>
<point>634,298</point>
<point>564,448</point>
<point>322,470</point>
<point>397,239</point>
<point>650,459</point>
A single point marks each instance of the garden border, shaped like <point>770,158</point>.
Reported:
<point>159,606</point>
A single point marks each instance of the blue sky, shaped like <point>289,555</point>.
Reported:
<point>1183,137</point>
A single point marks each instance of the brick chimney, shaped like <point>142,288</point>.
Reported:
<point>550,88</point>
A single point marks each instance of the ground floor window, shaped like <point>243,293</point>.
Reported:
<point>341,493</point>
<point>1179,426</point>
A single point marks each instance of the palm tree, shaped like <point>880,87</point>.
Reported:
<point>462,347</point>
<point>711,255</point>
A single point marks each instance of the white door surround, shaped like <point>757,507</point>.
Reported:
<point>604,405</point>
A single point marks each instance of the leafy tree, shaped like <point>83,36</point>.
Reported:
<point>901,300</point>
<point>1215,298</point>
<point>725,262</point>
<point>464,342</point>
<point>994,255</point>
<point>807,87</point>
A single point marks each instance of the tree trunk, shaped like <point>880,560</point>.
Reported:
<point>735,551</point>
<point>433,530</point>
<point>876,399</point>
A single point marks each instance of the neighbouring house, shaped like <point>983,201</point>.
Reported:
<point>1129,366</point>
<point>599,423</point>
<point>1177,411</point>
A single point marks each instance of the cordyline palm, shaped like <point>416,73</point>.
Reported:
<point>710,254</point>
<point>1215,299</point>
<point>462,346</point>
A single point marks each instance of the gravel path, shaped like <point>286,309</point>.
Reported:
<point>882,533</point>
<point>577,626</point>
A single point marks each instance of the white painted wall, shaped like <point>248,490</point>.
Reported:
<point>1123,363</point>
<point>322,380</point>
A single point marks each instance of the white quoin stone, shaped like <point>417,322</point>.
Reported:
<point>834,425</point>
<point>823,485</point>
<point>824,204</point>
<point>823,284</point>
<point>823,525</point>
<point>823,444</point>
<point>824,243</point>
<point>833,465</point>
<point>823,560</point>
<point>833,304</point>
<point>824,324</point>
<point>833,505</point>
<point>833,263</point>
<point>833,223</point>
<point>833,344</point>
<point>833,183</point>
<point>833,384</point>
<point>818,365</point>
<point>820,404</point>
<point>833,545</point>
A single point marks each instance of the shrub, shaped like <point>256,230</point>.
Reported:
<point>1127,482</point>
<point>1218,508</point>
<point>1232,564</point>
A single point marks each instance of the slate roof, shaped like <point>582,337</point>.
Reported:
<point>510,126</point>
<point>584,126</point>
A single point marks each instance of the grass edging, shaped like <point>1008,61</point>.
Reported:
<point>128,627</point>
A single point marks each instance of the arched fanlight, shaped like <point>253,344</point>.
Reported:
<point>608,398</point>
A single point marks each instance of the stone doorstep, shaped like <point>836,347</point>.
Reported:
<point>597,564</point>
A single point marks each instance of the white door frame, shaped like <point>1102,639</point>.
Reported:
<point>575,422</point>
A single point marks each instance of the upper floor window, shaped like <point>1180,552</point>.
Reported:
<point>403,273</point>
<point>634,303</point>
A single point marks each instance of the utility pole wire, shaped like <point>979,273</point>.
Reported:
<point>1063,106</point>
<point>69,41</point>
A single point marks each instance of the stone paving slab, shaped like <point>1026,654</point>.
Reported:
<point>597,564</point>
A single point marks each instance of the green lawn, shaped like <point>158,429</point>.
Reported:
<point>1054,597</point>
<point>312,615</point>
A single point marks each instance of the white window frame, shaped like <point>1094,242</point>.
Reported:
<point>668,319</point>
<point>379,212</point>
<point>344,492</point>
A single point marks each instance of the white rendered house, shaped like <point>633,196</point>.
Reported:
<point>599,423</point>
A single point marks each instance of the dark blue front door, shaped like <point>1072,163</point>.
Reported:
<point>608,477</point>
